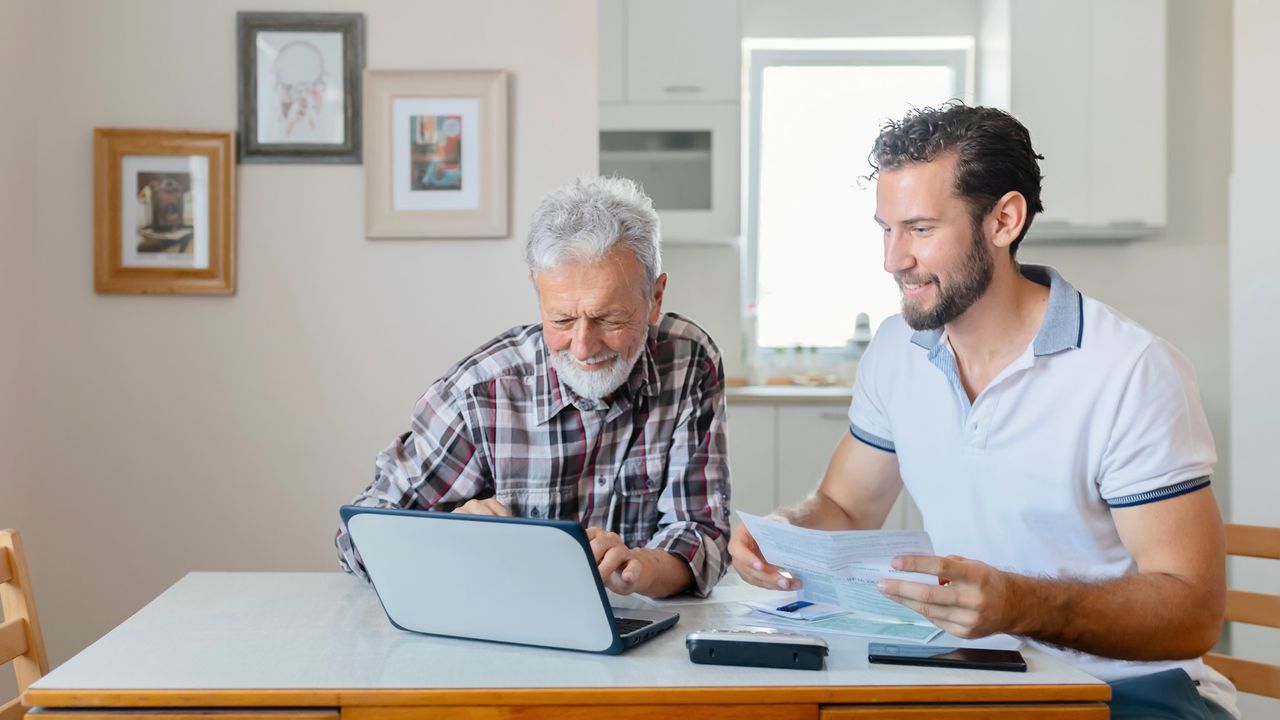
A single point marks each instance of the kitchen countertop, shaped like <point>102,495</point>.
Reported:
<point>789,395</point>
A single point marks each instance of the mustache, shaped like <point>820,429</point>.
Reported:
<point>568,357</point>
<point>910,279</point>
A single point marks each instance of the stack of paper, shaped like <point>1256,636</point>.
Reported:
<point>840,571</point>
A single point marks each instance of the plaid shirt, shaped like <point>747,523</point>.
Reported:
<point>651,466</point>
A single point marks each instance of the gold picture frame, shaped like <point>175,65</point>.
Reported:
<point>164,211</point>
<point>436,154</point>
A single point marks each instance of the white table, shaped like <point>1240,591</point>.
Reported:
<point>320,641</point>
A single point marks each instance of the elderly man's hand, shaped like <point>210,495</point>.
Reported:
<point>751,566</point>
<point>971,600</point>
<point>622,569</point>
<point>487,506</point>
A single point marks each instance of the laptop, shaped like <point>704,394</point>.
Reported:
<point>510,580</point>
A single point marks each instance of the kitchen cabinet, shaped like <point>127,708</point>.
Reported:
<point>687,159</point>
<point>612,39</point>
<point>670,51</point>
<point>681,51</point>
<point>1089,80</point>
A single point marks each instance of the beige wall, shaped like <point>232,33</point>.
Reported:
<point>1255,295</point>
<point>183,433</point>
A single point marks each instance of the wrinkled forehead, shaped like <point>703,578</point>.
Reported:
<point>610,283</point>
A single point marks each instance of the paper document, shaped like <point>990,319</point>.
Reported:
<point>810,611</point>
<point>854,625</point>
<point>842,568</point>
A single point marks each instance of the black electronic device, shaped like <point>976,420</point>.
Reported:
<point>951,657</point>
<point>756,647</point>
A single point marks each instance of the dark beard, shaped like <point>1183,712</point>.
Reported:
<point>958,296</point>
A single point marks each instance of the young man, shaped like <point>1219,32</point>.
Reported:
<point>608,412</point>
<point>1058,452</point>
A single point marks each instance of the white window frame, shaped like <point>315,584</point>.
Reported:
<point>956,53</point>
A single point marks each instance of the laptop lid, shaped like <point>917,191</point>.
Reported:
<point>513,580</point>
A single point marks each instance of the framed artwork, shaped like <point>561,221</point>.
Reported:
<point>164,211</point>
<point>300,86</point>
<point>437,153</point>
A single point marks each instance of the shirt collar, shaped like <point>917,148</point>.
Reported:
<point>552,395</point>
<point>1063,324</point>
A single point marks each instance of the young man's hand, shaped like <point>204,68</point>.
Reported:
<point>751,565</point>
<point>971,600</point>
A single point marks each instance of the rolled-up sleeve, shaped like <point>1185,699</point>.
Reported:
<point>434,466</point>
<point>693,508</point>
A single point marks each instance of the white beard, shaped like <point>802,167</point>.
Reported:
<point>594,384</point>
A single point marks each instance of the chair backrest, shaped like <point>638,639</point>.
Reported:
<point>1251,676</point>
<point>20,638</point>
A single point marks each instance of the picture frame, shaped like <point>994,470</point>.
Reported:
<point>164,211</point>
<point>300,95</point>
<point>436,154</point>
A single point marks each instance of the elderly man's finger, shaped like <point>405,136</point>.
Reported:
<point>602,542</point>
<point>631,572</point>
<point>614,558</point>
<point>497,508</point>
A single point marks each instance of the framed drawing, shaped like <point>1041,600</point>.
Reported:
<point>164,211</point>
<point>437,153</point>
<point>300,86</point>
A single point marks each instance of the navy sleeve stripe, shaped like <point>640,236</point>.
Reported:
<point>1158,494</point>
<point>874,441</point>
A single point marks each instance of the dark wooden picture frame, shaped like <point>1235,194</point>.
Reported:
<point>187,179</point>
<point>302,92</point>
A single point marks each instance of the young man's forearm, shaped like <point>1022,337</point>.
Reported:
<point>1149,616</point>
<point>820,512</point>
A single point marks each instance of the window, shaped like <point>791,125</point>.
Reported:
<point>814,256</point>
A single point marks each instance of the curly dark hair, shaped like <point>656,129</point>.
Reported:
<point>993,155</point>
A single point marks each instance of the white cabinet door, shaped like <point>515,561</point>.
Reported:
<point>1050,75</point>
<point>807,435</point>
<point>1128,128</point>
<point>683,51</point>
<point>612,39</point>
<point>1068,69</point>
<point>752,459</point>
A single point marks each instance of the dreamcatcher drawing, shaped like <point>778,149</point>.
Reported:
<point>300,85</point>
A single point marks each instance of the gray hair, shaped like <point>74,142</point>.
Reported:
<point>584,220</point>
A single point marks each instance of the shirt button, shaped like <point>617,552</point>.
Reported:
<point>600,481</point>
<point>535,513</point>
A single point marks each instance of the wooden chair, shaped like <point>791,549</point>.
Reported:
<point>1253,608</point>
<point>20,638</point>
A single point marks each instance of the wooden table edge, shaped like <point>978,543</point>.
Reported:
<point>850,694</point>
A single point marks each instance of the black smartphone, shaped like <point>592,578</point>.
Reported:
<point>975,658</point>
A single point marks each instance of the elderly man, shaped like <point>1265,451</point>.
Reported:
<point>608,412</point>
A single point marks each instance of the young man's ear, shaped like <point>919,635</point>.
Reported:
<point>1007,218</point>
<point>655,300</point>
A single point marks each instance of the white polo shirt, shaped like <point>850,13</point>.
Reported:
<point>1096,413</point>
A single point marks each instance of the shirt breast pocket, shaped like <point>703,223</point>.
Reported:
<point>640,484</point>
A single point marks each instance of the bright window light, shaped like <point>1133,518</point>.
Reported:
<point>819,254</point>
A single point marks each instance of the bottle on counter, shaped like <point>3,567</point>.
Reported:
<point>854,348</point>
